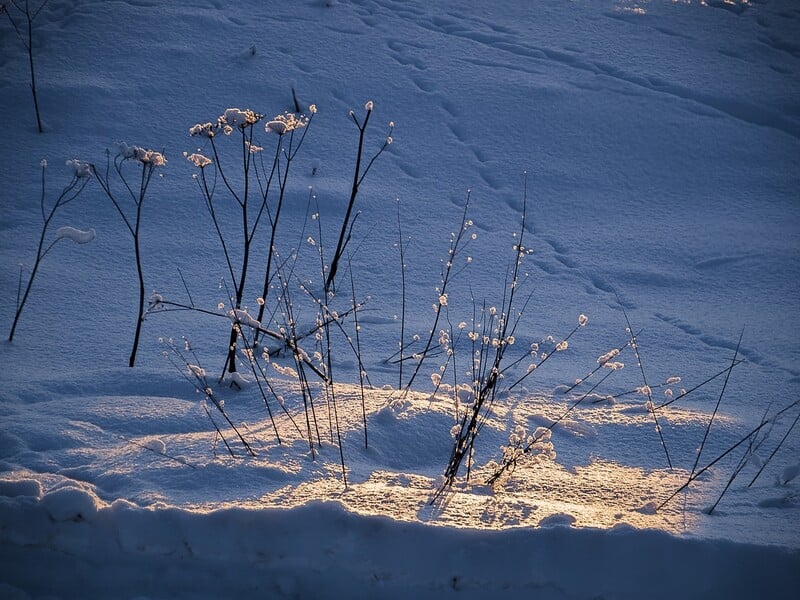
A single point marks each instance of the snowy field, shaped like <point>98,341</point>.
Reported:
<point>642,159</point>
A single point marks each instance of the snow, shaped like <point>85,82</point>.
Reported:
<point>79,236</point>
<point>657,143</point>
<point>78,167</point>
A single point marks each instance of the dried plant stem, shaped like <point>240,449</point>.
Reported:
<point>200,383</point>
<point>716,407</point>
<point>358,178</point>
<point>775,451</point>
<point>27,40</point>
<point>402,249</point>
<point>361,369</point>
<point>752,447</point>
<point>132,224</point>
<point>457,243</point>
<point>725,371</point>
<point>71,191</point>
<point>744,439</point>
<point>506,465</point>
<point>485,388</point>
<point>635,346</point>
<point>289,150</point>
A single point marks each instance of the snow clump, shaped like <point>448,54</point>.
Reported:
<point>78,236</point>
<point>79,168</point>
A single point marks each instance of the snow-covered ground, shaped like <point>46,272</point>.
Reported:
<point>661,142</point>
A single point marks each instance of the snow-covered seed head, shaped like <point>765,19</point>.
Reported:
<point>369,105</point>
<point>142,155</point>
<point>198,160</point>
<point>285,123</point>
<point>583,320</point>
<point>237,118</point>
<point>254,148</point>
<point>150,157</point>
<point>79,168</point>
<point>202,130</point>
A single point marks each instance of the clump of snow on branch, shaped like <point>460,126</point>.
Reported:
<point>242,317</point>
<point>78,236</point>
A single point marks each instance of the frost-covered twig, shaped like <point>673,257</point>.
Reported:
<point>262,382</point>
<point>458,242</point>
<point>510,459</point>
<point>498,335</point>
<point>605,361</point>
<point>685,393</point>
<point>545,356</point>
<point>80,177</point>
<point>196,375</point>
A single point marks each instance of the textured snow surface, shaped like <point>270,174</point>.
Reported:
<point>661,142</point>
